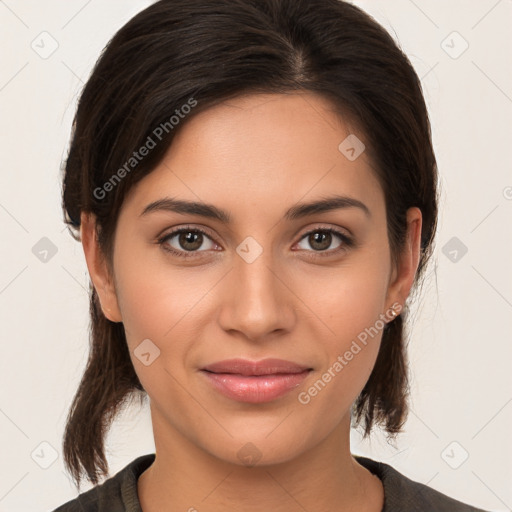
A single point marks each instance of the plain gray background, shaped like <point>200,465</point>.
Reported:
<point>457,438</point>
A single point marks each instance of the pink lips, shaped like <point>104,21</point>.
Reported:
<point>255,381</point>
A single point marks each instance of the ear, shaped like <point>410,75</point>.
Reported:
<point>403,275</point>
<point>98,268</point>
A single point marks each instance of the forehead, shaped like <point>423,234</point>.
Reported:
<point>261,150</point>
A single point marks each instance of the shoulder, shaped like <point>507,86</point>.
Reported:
<point>403,494</point>
<point>117,494</point>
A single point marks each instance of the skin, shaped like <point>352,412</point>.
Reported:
<point>255,157</point>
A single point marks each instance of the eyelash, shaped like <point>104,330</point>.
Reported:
<point>347,242</point>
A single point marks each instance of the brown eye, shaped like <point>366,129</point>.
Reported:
<point>190,240</point>
<point>187,240</point>
<point>322,240</point>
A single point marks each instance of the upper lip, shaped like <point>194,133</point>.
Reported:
<point>248,368</point>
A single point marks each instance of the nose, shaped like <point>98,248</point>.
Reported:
<point>256,299</point>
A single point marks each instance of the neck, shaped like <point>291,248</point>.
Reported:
<point>327,477</point>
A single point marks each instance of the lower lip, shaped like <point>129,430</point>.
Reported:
<point>255,389</point>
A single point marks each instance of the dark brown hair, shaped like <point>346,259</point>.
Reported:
<point>177,52</point>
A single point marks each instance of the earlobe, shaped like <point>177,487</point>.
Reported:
<point>99,272</point>
<point>403,277</point>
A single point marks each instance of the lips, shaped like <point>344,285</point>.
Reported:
<point>255,381</point>
<point>255,368</point>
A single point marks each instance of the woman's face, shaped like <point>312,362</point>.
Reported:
<point>256,286</point>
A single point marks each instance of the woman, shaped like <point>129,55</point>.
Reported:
<point>254,186</point>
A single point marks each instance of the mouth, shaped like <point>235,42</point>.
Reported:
<point>255,381</point>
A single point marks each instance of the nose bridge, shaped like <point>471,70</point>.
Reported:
<point>257,281</point>
<point>256,301</point>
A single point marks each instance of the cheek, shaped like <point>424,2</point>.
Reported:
<point>156,307</point>
<point>154,298</point>
<point>349,300</point>
<point>351,304</point>
<point>350,357</point>
<point>163,304</point>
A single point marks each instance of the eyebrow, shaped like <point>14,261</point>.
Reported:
<point>295,212</point>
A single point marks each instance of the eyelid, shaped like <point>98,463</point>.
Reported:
<point>343,232</point>
<point>186,227</point>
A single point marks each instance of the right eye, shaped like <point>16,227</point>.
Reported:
<point>184,242</point>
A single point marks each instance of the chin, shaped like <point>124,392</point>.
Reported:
<point>257,450</point>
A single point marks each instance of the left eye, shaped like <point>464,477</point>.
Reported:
<point>321,239</point>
